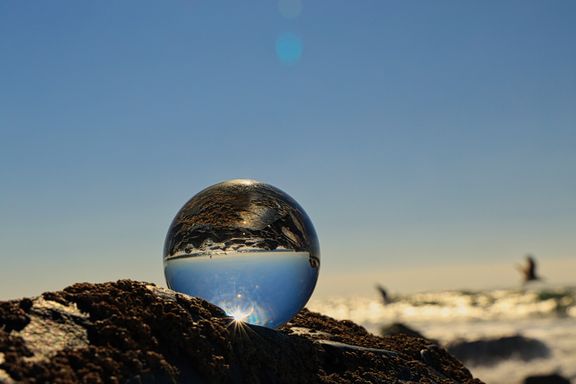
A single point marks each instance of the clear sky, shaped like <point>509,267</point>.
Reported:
<point>420,136</point>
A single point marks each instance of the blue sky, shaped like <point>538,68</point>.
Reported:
<point>414,133</point>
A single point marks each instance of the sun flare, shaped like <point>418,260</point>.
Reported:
<point>240,315</point>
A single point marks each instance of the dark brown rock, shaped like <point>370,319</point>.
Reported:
<point>133,332</point>
<point>491,351</point>
<point>546,379</point>
<point>399,329</point>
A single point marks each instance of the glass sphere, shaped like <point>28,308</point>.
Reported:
<point>246,247</point>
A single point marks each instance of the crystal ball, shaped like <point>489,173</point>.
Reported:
<point>246,247</point>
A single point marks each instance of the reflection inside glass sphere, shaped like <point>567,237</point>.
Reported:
<point>247,247</point>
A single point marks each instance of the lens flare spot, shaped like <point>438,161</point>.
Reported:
<point>290,9</point>
<point>289,48</point>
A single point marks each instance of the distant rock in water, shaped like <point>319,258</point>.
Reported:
<point>133,332</point>
<point>492,351</point>
<point>546,379</point>
<point>399,329</point>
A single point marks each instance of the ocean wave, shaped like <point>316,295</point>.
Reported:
<point>454,305</point>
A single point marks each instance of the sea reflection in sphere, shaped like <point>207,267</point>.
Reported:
<point>246,247</point>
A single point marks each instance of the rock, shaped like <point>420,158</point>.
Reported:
<point>399,329</point>
<point>133,332</point>
<point>492,351</point>
<point>546,379</point>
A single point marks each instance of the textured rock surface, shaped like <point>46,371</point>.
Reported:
<point>132,332</point>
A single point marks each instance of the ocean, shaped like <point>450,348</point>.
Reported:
<point>544,315</point>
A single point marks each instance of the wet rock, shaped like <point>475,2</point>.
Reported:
<point>546,379</point>
<point>492,351</point>
<point>133,332</point>
<point>399,329</point>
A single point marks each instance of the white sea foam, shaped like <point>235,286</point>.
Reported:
<point>544,314</point>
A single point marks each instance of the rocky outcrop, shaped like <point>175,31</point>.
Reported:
<point>492,351</point>
<point>133,332</point>
<point>399,329</point>
<point>546,379</point>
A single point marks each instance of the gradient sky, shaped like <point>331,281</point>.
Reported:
<point>418,135</point>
